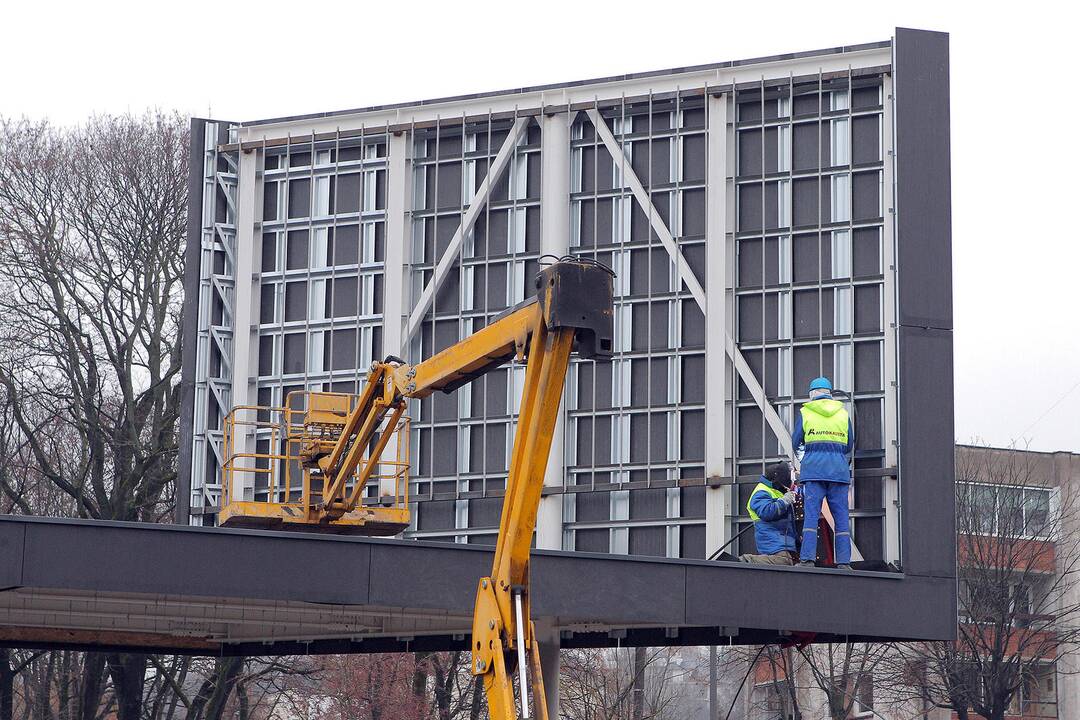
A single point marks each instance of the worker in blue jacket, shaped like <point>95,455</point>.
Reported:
<point>824,430</point>
<point>771,508</point>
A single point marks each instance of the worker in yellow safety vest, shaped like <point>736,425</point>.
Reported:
<point>824,430</point>
<point>771,507</point>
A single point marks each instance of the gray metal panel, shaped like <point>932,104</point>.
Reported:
<point>924,289</point>
<point>610,590</point>
<point>439,576</point>
<point>139,558</point>
<point>12,538</point>
<point>923,178</point>
<point>877,605</point>
<point>190,318</point>
<point>927,475</point>
<point>574,588</point>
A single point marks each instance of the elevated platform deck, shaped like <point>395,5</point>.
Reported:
<point>211,591</point>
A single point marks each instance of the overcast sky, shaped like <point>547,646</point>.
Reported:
<point>1016,249</point>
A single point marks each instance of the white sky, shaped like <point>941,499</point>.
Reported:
<point>1016,252</point>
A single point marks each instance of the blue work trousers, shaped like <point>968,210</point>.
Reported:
<point>836,494</point>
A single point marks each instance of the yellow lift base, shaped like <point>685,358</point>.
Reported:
<point>376,521</point>
<point>272,462</point>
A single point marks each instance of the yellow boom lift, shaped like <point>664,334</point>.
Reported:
<point>336,443</point>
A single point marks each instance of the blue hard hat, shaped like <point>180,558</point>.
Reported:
<point>821,383</point>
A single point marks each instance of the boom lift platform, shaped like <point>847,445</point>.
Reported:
<point>335,446</point>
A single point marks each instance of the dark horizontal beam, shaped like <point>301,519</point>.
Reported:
<point>656,600</point>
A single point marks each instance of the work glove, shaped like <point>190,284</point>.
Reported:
<point>789,498</point>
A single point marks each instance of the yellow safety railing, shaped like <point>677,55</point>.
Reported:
<point>278,444</point>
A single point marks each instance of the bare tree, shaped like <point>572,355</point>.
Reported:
<point>92,227</point>
<point>1018,555</point>
<point>625,683</point>
<point>844,673</point>
<point>92,231</point>
<point>361,687</point>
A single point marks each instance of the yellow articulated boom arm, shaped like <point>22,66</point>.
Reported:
<point>572,310</point>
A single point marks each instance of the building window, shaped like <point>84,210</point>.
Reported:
<point>771,701</point>
<point>863,692</point>
<point>1007,511</point>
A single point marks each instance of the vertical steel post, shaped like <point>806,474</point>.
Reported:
<point>714,711</point>
<point>717,382</point>
<point>245,329</point>
<point>398,240</point>
<point>890,378</point>
<point>554,240</point>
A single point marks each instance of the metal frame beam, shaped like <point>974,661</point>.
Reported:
<point>554,240</point>
<point>718,424</point>
<point>468,221</point>
<point>686,274</point>
<point>573,96</point>
<point>246,300</point>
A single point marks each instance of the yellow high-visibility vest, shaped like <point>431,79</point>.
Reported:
<point>818,427</point>
<point>773,493</point>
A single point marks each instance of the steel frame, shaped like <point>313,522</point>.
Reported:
<point>555,111</point>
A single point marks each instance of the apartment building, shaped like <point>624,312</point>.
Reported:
<point>1012,505</point>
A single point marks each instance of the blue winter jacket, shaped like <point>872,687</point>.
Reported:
<point>824,461</point>
<point>775,530</point>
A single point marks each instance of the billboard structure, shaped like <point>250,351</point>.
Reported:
<point>768,220</point>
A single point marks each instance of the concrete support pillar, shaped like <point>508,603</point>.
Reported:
<point>547,635</point>
<point>718,389</point>
<point>245,345</point>
<point>554,240</point>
